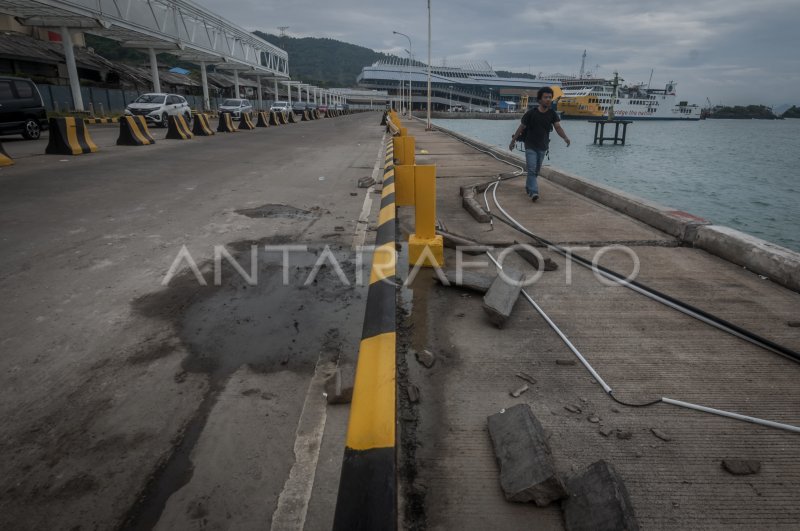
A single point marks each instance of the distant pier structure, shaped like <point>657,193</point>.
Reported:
<point>600,128</point>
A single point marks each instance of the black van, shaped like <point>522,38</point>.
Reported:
<point>21,108</point>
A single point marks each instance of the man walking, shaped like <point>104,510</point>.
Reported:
<point>535,132</point>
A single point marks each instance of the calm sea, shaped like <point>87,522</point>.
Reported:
<point>741,173</point>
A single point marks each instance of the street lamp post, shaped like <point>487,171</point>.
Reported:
<point>408,63</point>
<point>450,98</point>
<point>428,126</point>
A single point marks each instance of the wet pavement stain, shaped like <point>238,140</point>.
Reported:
<point>277,211</point>
<point>268,326</point>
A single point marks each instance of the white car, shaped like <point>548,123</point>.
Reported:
<point>236,107</point>
<point>156,106</point>
<point>281,106</point>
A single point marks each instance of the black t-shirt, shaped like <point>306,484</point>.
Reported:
<point>537,128</point>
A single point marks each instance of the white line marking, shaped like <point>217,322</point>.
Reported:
<point>363,219</point>
<point>290,513</point>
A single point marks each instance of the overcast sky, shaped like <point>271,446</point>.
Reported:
<point>731,51</point>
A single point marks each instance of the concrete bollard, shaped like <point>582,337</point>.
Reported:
<point>178,129</point>
<point>263,119</point>
<point>133,131</point>
<point>69,136</point>
<point>245,122</point>
<point>225,123</point>
<point>5,160</point>
<point>201,126</point>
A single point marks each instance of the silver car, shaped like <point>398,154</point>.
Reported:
<point>156,106</point>
<point>236,107</point>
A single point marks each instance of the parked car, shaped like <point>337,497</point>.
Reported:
<point>322,108</point>
<point>21,108</point>
<point>156,106</point>
<point>299,106</point>
<point>280,106</point>
<point>236,107</point>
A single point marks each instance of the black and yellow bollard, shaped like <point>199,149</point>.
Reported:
<point>5,160</point>
<point>274,118</point>
<point>178,129</point>
<point>201,126</point>
<point>263,119</point>
<point>225,123</point>
<point>284,117</point>
<point>305,117</point>
<point>293,118</point>
<point>133,131</point>
<point>69,136</point>
<point>245,122</point>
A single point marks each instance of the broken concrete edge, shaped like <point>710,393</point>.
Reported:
<point>475,210</point>
<point>598,500</point>
<point>779,264</point>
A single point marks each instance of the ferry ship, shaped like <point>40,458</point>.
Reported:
<point>636,102</point>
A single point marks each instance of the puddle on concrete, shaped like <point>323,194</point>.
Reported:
<point>277,211</point>
<point>268,327</point>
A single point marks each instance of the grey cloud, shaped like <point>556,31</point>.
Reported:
<point>716,48</point>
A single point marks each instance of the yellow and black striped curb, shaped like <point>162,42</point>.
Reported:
<point>92,121</point>
<point>367,497</point>
<point>178,129</point>
<point>133,131</point>
<point>69,136</point>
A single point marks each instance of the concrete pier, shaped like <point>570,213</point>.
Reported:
<point>669,458</point>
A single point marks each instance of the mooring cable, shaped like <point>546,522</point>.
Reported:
<point>610,392</point>
<point>647,291</point>
<point>667,300</point>
<point>663,298</point>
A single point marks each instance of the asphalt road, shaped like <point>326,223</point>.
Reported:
<point>128,403</point>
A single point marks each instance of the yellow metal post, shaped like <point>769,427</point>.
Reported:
<point>425,246</point>
<point>404,185</point>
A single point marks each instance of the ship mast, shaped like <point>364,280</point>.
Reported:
<point>583,65</point>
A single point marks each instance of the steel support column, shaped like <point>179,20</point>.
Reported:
<point>72,69</point>
<point>154,70</point>
<point>236,83</point>
<point>204,80</point>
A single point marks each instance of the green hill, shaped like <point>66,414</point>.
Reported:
<point>324,62</point>
<point>791,112</point>
<point>761,112</point>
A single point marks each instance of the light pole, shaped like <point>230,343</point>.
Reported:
<point>410,60</point>
<point>450,98</point>
<point>409,67</point>
<point>428,126</point>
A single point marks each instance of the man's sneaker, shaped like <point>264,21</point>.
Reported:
<point>534,197</point>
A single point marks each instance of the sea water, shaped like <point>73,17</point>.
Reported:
<point>744,174</point>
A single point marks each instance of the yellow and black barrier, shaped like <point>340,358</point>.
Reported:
<point>69,136</point>
<point>92,121</point>
<point>317,114</point>
<point>263,119</point>
<point>367,497</point>
<point>5,159</point>
<point>245,122</point>
<point>201,127</point>
<point>178,129</point>
<point>305,117</point>
<point>284,116</point>
<point>225,123</point>
<point>133,131</point>
<point>293,118</point>
<point>275,118</point>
